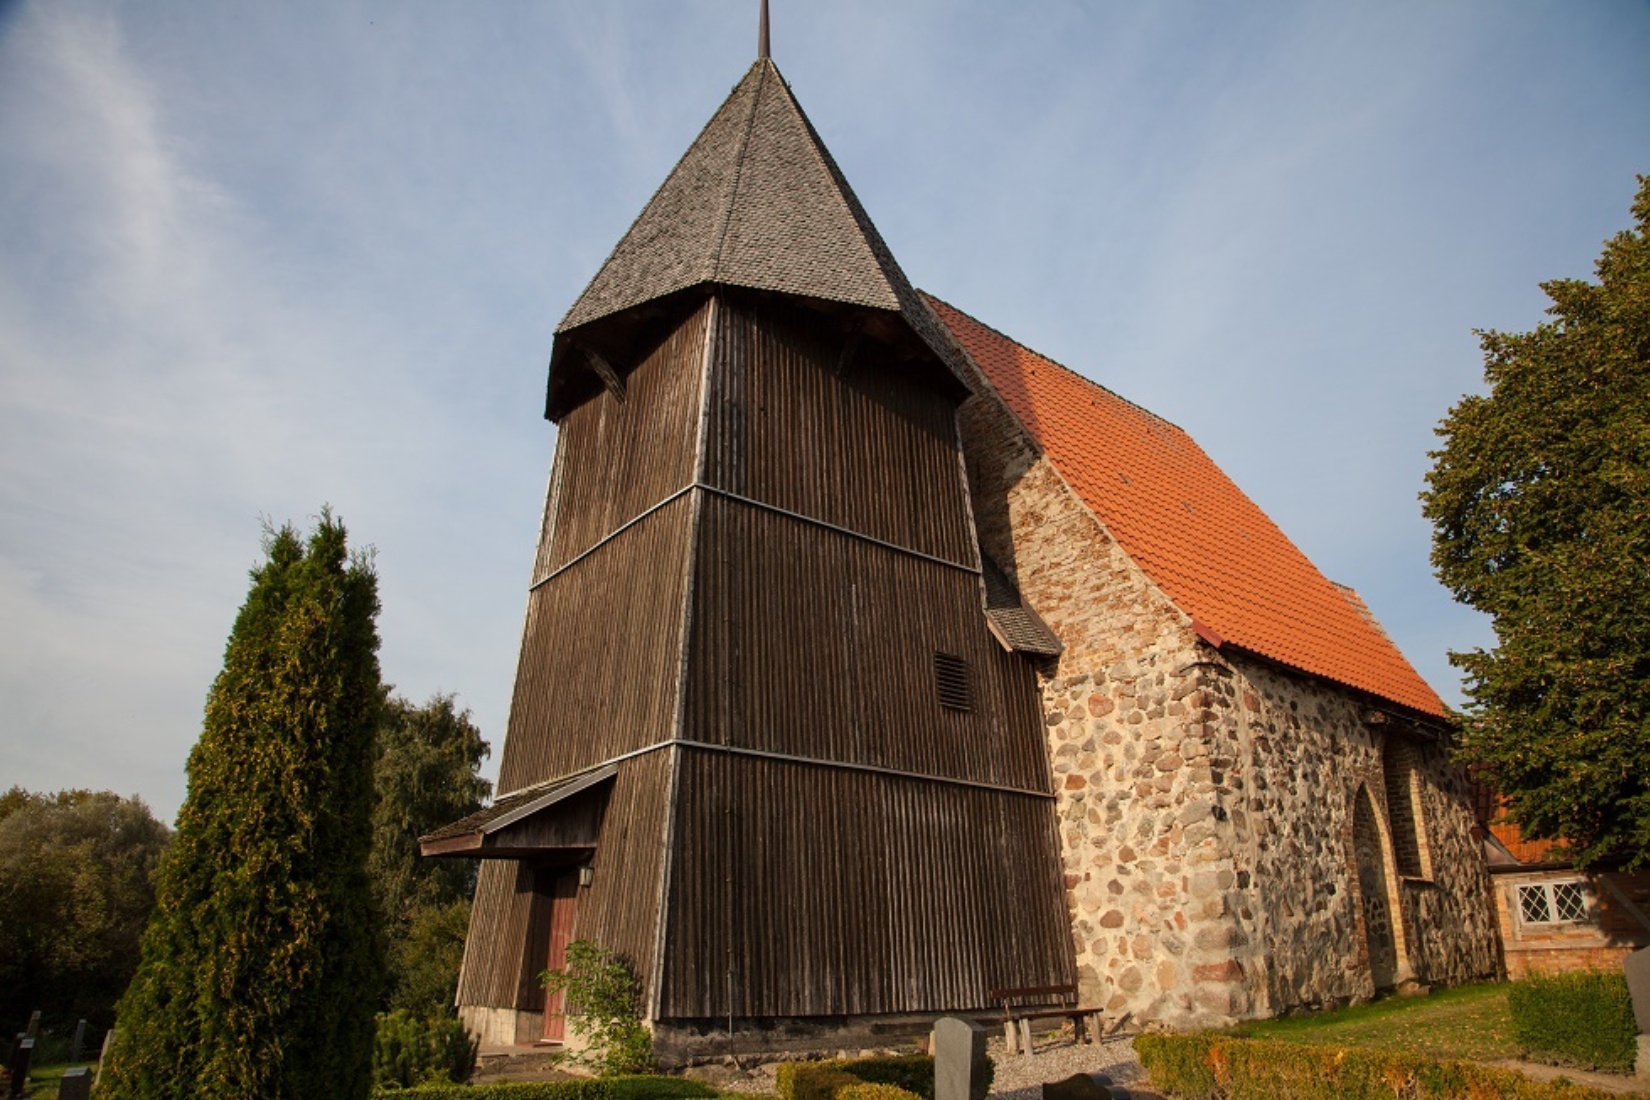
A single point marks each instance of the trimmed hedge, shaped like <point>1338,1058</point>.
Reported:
<point>869,1091</point>
<point>912,1075</point>
<point>1207,1066</point>
<point>1582,1019</point>
<point>648,1087</point>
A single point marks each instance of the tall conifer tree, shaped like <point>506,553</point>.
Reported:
<point>260,964</point>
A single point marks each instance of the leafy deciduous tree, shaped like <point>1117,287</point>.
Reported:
<point>76,887</point>
<point>1540,505</point>
<point>260,970</point>
<point>426,776</point>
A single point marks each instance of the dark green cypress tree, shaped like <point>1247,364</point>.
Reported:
<point>261,962</point>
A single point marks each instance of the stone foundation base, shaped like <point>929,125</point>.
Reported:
<point>1644,1058</point>
<point>502,1027</point>
<point>683,1042</point>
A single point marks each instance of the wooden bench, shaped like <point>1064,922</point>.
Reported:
<point>1018,1014</point>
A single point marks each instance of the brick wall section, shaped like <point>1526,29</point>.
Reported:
<point>1611,933</point>
<point>1203,802</point>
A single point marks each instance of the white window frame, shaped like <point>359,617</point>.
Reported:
<point>1549,893</point>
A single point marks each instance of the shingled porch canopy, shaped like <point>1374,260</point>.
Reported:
<point>562,815</point>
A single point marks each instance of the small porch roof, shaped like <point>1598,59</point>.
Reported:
<point>488,833</point>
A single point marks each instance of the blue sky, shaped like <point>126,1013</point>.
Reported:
<point>254,258</point>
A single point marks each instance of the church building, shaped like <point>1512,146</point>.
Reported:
<point>874,662</point>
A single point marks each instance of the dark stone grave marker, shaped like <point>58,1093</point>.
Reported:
<point>75,1084</point>
<point>78,1047</point>
<point>21,1054</point>
<point>1079,1086</point>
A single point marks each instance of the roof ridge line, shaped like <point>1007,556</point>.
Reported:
<point>1040,449</point>
<point>1056,363</point>
<point>739,169</point>
<point>845,194</point>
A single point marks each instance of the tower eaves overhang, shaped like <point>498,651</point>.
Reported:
<point>757,202</point>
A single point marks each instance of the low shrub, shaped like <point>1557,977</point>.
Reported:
<point>642,1087</point>
<point>1180,1063</point>
<point>813,1080</point>
<point>868,1090</point>
<point>603,1006</point>
<point>1205,1066</point>
<point>1582,1019</point>
<point>911,1075</point>
<point>410,1049</point>
<point>912,1072</point>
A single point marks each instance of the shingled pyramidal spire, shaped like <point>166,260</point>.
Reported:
<point>756,202</point>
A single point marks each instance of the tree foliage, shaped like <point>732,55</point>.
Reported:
<point>1540,505</point>
<point>426,775</point>
<point>259,970</point>
<point>604,1007</point>
<point>76,887</point>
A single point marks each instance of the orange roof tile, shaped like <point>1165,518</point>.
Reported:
<point>1194,533</point>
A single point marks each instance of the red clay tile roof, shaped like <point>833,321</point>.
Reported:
<point>1194,533</point>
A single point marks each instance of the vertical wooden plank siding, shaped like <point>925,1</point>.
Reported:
<point>615,459</point>
<point>504,953</point>
<point>619,910</point>
<point>868,449</point>
<point>599,655</point>
<point>499,952</point>
<point>805,890</point>
<point>808,642</point>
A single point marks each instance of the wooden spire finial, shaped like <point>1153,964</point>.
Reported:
<point>762,34</point>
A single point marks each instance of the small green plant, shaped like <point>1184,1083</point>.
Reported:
<point>602,1008</point>
<point>1582,1019</point>
<point>409,1049</point>
<point>907,1075</point>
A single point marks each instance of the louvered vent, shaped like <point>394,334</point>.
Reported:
<point>952,682</point>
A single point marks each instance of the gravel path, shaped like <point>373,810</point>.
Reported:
<point>1112,1063</point>
<point>1054,1058</point>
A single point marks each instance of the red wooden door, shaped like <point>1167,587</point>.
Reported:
<point>564,896</point>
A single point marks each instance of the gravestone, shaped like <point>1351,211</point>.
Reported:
<point>1637,968</point>
<point>959,1060</point>
<point>21,1054</point>
<point>75,1084</point>
<point>103,1055</point>
<point>78,1047</point>
<point>34,1025</point>
<point>1079,1086</point>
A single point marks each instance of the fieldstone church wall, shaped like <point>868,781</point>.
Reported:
<point>1204,800</point>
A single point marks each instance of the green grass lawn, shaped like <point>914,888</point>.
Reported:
<point>43,1082</point>
<point>1468,1023</point>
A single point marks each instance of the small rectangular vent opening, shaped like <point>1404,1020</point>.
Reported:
<point>952,682</point>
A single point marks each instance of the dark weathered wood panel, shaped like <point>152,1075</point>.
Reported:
<point>572,823</point>
<point>498,952</point>
<point>617,458</point>
<point>620,908</point>
<point>809,642</point>
<point>852,441</point>
<point>600,655</point>
<point>805,890</point>
<point>509,924</point>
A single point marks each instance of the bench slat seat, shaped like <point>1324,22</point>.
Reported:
<point>1085,1021</point>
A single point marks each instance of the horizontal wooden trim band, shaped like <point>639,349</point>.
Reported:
<point>774,508</point>
<point>847,765</point>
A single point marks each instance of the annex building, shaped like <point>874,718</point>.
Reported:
<point>873,662</point>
